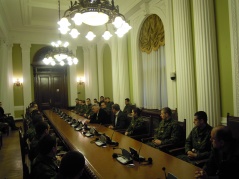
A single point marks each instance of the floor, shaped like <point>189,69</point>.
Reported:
<point>10,156</point>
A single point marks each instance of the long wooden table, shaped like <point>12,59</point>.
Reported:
<point>100,162</point>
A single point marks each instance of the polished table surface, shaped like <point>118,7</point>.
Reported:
<point>101,163</point>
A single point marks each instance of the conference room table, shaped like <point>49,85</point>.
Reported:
<point>99,160</point>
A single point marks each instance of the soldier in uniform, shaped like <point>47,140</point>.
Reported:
<point>198,144</point>
<point>88,111</point>
<point>45,164</point>
<point>77,107</point>
<point>128,107</point>
<point>168,132</point>
<point>137,123</point>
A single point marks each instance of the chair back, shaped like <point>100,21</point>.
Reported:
<point>233,124</point>
<point>182,125</point>
<point>23,155</point>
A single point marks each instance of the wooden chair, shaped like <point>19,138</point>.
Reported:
<point>233,124</point>
<point>23,148</point>
<point>0,140</point>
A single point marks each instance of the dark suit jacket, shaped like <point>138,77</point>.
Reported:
<point>102,118</point>
<point>121,121</point>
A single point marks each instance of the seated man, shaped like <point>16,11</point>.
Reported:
<point>137,123</point>
<point>119,120</point>
<point>128,107</point>
<point>45,164</point>
<point>77,107</point>
<point>72,166</point>
<point>100,116</point>
<point>224,158</point>
<point>31,132</point>
<point>168,132</point>
<point>198,145</point>
<point>88,111</point>
<point>8,119</point>
<point>102,99</point>
<point>42,129</point>
<point>108,103</point>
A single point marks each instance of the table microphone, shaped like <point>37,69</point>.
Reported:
<point>164,170</point>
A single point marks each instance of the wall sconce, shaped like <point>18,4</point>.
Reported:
<point>80,80</point>
<point>18,82</point>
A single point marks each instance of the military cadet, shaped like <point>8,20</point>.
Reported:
<point>137,123</point>
<point>83,108</point>
<point>77,107</point>
<point>128,106</point>
<point>31,132</point>
<point>45,164</point>
<point>168,132</point>
<point>198,144</point>
<point>109,103</point>
<point>88,111</point>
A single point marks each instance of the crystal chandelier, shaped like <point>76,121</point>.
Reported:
<point>93,13</point>
<point>59,53</point>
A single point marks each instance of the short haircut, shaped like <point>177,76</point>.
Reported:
<point>201,115</point>
<point>37,118</point>
<point>167,110</point>
<point>116,107</point>
<point>95,105</point>
<point>46,144</point>
<point>41,127</point>
<point>137,110</point>
<point>223,133</point>
<point>88,99</point>
<point>72,163</point>
<point>77,99</point>
<point>127,99</point>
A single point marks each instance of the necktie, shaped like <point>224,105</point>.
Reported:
<point>116,116</point>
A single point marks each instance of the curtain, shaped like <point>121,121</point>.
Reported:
<point>154,79</point>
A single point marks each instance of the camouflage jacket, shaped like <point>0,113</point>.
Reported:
<point>136,126</point>
<point>169,132</point>
<point>127,109</point>
<point>199,139</point>
<point>44,167</point>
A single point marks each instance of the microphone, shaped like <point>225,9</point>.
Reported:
<point>164,170</point>
<point>112,135</point>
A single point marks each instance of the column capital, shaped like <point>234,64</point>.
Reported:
<point>25,46</point>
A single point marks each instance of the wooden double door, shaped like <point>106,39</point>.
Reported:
<point>50,87</point>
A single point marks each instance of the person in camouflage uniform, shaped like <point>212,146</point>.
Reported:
<point>137,123</point>
<point>128,106</point>
<point>198,144</point>
<point>31,132</point>
<point>83,108</point>
<point>88,111</point>
<point>168,132</point>
<point>45,164</point>
<point>78,106</point>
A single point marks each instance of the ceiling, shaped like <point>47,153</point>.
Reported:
<point>19,17</point>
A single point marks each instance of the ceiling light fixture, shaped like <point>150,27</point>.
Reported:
<point>93,13</point>
<point>59,53</point>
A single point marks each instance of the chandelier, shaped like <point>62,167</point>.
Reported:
<point>59,54</point>
<point>93,13</point>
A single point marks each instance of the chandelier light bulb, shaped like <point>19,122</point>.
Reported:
<point>64,22</point>
<point>66,44</point>
<point>62,63</point>
<point>118,22</point>
<point>63,30</point>
<point>77,18</point>
<point>74,33</point>
<point>90,35</point>
<point>53,63</point>
<point>107,35</point>
<point>75,60</point>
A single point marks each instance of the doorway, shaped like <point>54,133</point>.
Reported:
<point>50,83</point>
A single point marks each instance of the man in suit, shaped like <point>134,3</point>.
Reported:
<point>8,119</point>
<point>119,120</point>
<point>100,116</point>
